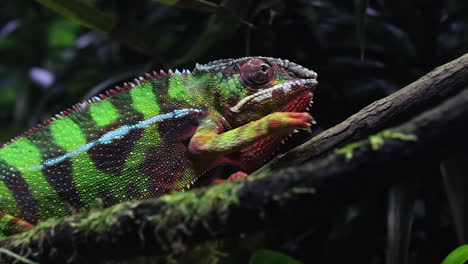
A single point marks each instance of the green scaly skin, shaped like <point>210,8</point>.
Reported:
<point>156,135</point>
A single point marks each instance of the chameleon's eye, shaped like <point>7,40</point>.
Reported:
<point>256,72</point>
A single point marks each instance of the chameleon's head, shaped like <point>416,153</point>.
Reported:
<point>249,88</point>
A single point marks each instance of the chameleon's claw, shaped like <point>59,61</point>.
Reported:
<point>232,177</point>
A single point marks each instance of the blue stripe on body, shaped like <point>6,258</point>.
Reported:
<point>116,134</point>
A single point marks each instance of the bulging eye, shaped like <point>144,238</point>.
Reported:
<point>256,72</point>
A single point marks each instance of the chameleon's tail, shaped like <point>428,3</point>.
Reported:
<point>10,225</point>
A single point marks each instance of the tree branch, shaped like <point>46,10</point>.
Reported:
<point>174,223</point>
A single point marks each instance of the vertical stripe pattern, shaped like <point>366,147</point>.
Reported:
<point>19,189</point>
<point>22,155</point>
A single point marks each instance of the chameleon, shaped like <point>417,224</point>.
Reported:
<point>159,133</point>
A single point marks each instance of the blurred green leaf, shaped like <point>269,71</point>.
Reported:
<point>82,13</point>
<point>95,19</point>
<point>458,256</point>
<point>265,256</point>
<point>62,33</point>
<point>7,96</point>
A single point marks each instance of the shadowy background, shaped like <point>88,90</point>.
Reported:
<point>362,51</point>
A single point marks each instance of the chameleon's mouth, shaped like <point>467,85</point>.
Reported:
<point>282,88</point>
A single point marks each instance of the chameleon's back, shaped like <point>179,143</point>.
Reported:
<point>115,148</point>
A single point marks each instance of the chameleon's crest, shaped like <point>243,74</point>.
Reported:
<point>137,81</point>
<point>219,65</point>
<point>95,99</point>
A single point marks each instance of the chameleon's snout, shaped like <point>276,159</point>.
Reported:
<point>282,88</point>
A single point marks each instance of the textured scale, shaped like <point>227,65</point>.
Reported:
<point>155,135</point>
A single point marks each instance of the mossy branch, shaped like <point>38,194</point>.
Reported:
<point>267,200</point>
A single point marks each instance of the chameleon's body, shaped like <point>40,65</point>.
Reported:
<point>153,136</point>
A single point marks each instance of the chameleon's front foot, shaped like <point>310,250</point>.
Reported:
<point>217,145</point>
<point>284,123</point>
<point>211,146</point>
<point>209,142</point>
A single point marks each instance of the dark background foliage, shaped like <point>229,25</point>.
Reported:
<point>362,51</point>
